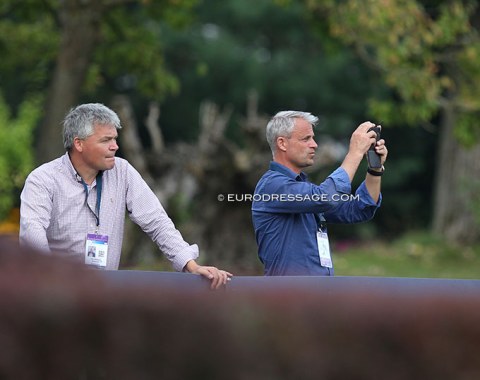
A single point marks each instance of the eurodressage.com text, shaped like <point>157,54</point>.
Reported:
<point>233,197</point>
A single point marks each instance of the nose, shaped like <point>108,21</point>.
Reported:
<point>314,144</point>
<point>114,145</point>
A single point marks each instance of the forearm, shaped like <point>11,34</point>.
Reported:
<point>360,142</point>
<point>351,162</point>
<point>373,179</point>
<point>191,267</point>
<point>373,184</point>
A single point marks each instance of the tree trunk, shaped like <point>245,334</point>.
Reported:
<point>80,27</point>
<point>455,188</point>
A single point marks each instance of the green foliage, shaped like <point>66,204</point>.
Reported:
<point>135,63</point>
<point>292,62</point>
<point>430,60</point>
<point>130,55</point>
<point>16,155</point>
<point>240,45</point>
<point>28,46</point>
<point>185,51</point>
<point>467,130</point>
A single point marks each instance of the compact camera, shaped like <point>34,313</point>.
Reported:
<point>373,158</point>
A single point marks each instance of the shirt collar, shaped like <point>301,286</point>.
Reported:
<point>67,163</point>
<point>275,166</point>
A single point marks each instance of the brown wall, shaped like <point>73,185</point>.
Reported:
<point>61,321</point>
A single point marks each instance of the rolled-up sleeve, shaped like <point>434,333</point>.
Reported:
<point>341,181</point>
<point>145,210</point>
<point>355,209</point>
<point>281,194</point>
<point>284,194</point>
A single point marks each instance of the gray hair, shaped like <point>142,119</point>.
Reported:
<point>81,120</point>
<point>282,125</point>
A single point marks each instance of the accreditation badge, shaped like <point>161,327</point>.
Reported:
<point>96,250</point>
<point>324,249</point>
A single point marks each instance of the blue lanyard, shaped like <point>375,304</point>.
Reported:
<point>99,196</point>
<point>321,222</point>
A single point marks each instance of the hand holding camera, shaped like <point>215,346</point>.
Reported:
<point>373,158</point>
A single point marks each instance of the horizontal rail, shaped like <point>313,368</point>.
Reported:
<point>326,285</point>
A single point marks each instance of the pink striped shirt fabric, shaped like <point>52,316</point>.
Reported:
<point>55,218</point>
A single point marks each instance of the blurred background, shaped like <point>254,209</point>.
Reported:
<point>195,82</point>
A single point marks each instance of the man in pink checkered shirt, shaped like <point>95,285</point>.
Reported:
<point>75,205</point>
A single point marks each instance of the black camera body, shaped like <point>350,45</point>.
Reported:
<point>373,158</point>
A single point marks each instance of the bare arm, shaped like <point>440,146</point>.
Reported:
<point>360,141</point>
<point>373,183</point>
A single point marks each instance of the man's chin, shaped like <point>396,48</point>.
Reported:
<point>309,162</point>
<point>109,163</point>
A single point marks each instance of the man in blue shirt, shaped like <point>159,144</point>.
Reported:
<point>290,214</point>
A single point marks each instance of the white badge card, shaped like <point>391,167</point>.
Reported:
<point>324,249</point>
<point>96,250</point>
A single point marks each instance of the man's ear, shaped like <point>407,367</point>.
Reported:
<point>282,144</point>
<point>78,144</point>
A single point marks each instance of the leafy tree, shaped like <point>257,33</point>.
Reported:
<point>90,50</point>
<point>428,56</point>
<point>235,46</point>
<point>285,54</point>
<point>78,48</point>
<point>28,44</point>
<point>16,155</point>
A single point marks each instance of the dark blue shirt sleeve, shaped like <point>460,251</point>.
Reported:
<point>358,208</point>
<point>278,193</point>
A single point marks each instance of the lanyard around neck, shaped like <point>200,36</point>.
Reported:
<point>96,213</point>
<point>321,222</point>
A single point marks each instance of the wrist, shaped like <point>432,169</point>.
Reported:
<point>354,156</point>
<point>191,267</point>
<point>378,172</point>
